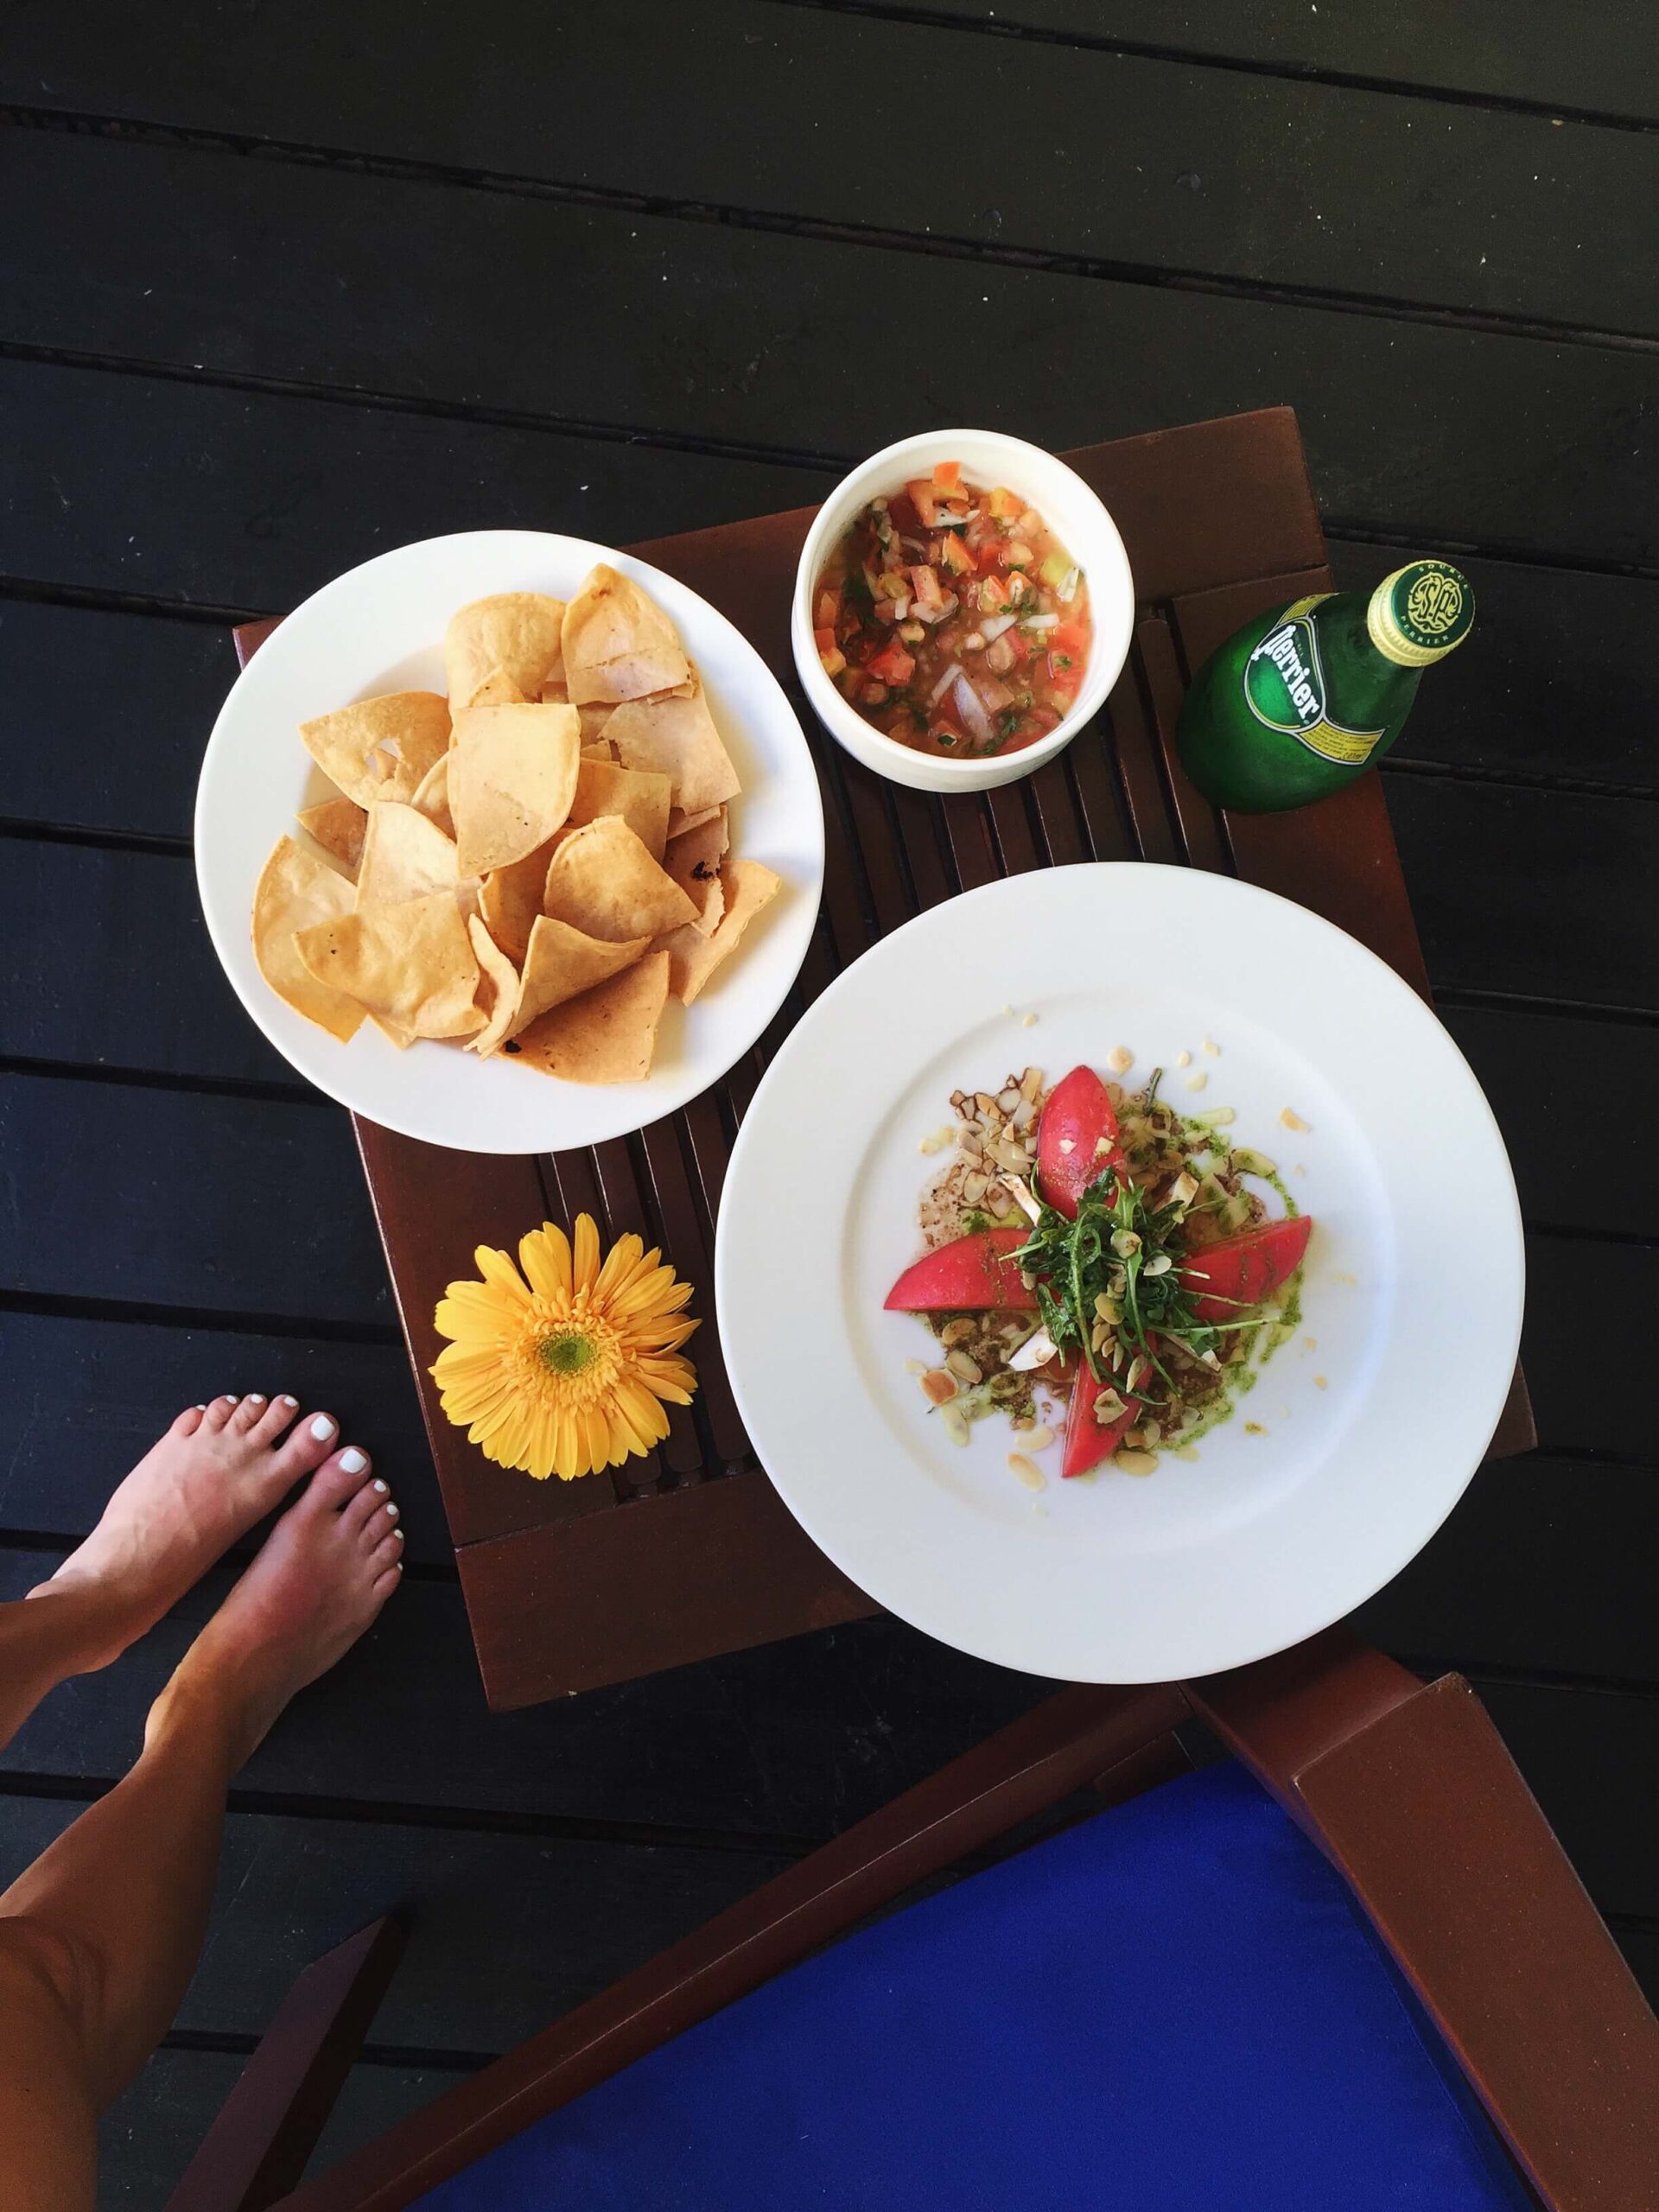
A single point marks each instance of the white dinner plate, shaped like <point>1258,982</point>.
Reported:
<point>1360,1434</point>
<point>380,628</point>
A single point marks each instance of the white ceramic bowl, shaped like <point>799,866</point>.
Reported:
<point>1077,518</point>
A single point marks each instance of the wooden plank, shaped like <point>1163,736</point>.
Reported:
<point>1133,174</point>
<point>1593,1761</point>
<point>108,714</point>
<point>1523,1575</point>
<point>689,1249</point>
<point>1135,749</point>
<point>1556,681</point>
<point>1557,871</point>
<point>262,2140</point>
<point>1487,48</point>
<point>109,464</point>
<point>1202,836</point>
<point>234,1206</point>
<point>149,2134</point>
<point>121,446</point>
<point>788,1740</point>
<point>1585,1172</point>
<point>717,1568</point>
<point>1571,1419</point>
<point>110,966</point>
<point>82,1400</point>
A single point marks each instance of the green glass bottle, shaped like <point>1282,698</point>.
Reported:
<point>1300,701</point>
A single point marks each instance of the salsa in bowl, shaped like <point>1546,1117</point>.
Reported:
<point>963,606</point>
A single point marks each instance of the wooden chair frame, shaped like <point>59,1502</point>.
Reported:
<point>1404,1786</point>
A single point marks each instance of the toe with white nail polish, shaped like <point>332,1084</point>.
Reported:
<point>353,1461</point>
<point>323,1429</point>
<point>391,1511</point>
<point>380,1486</point>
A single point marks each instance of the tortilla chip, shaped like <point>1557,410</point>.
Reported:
<point>431,797</point>
<point>510,898</point>
<point>594,720</point>
<point>498,690</point>
<point>381,748</point>
<point>679,822</point>
<point>411,965</point>
<point>641,800</point>
<point>608,1034</point>
<point>501,978</point>
<point>677,738</point>
<point>562,963</point>
<point>510,782</point>
<point>602,881</point>
<point>295,892</point>
<point>509,645</point>
<point>556,692</point>
<point>338,825</point>
<point>617,642</point>
<point>402,1037</point>
<point>693,860</point>
<point>747,887</point>
<point>405,856</point>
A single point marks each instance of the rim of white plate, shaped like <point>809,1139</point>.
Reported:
<point>379,626</point>
<point>1102,1590</point>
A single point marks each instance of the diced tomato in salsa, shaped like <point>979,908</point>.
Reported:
<point>950,618</point>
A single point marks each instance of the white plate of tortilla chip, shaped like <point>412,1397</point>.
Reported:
<point>378,632</point>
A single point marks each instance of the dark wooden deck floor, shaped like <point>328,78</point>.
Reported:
<point>282,287</point>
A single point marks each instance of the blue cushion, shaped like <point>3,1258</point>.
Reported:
<point>1171,2008</point>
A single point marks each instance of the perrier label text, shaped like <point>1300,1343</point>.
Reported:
<point>1284,689</point>
<point>1302,700</point>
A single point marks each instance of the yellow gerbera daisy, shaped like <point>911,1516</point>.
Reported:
<point>564,1369</point>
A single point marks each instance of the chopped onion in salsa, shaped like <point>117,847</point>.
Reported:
<point>952,619</point>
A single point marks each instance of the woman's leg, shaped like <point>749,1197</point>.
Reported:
<point>98,1938</point>
<point>217,1470</point>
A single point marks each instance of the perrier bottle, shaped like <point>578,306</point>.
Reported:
<point>1300,701</point>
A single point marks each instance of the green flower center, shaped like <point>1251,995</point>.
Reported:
<point>567,1352</point>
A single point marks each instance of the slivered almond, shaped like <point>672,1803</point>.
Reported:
<point>939,1387</point>
<point>1135,1463</point>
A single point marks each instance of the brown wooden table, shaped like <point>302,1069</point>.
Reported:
<point>690,1551</point>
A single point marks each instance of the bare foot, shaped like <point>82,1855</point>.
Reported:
<point>319,1579</point>
<point>217,1470</point>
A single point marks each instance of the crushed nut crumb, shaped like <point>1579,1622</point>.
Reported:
<point>1027,1470</point>
<point>1212,1048</point>
<point>1294,1121</point>
<point>1196,1082</point>
<point>1183,1060</point>
<point>1119,1059</point>
<point>1254,1428</point>
<point>1320,1382</point>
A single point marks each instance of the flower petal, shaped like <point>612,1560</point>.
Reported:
<point>545,1255</point>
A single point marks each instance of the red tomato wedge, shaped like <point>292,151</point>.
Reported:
<point>1078,1116</point>
<point>1241,1271</point>
<point>1087,1441</point>
<point>967,1276</point>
